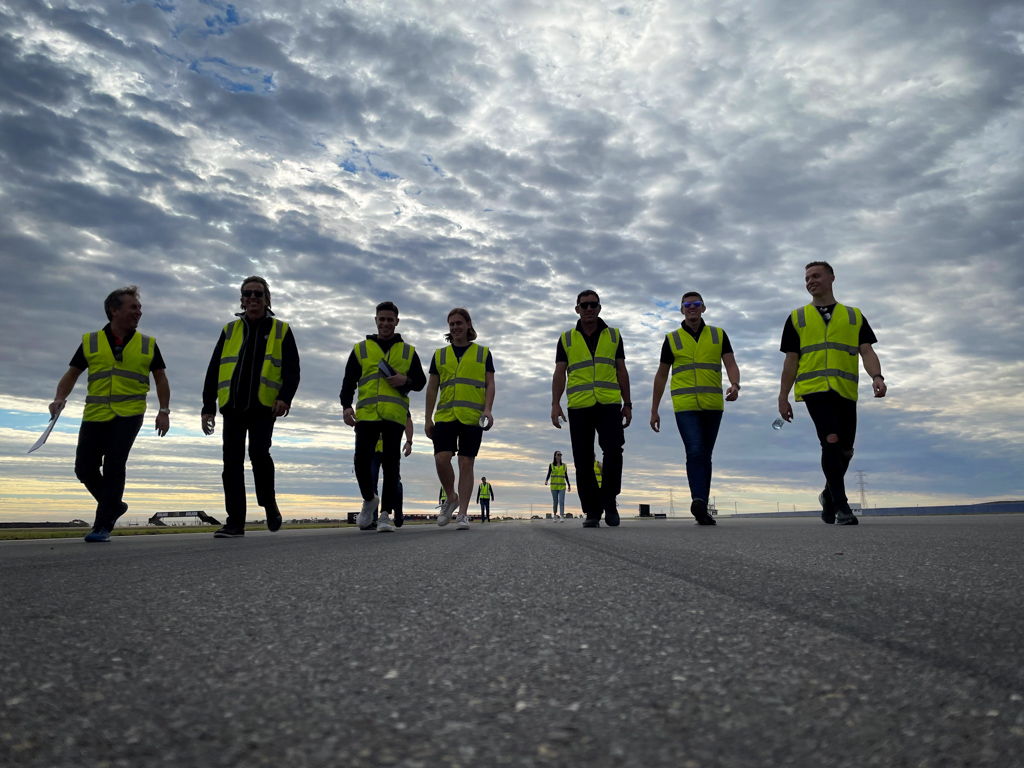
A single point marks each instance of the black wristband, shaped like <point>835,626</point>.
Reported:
<point>627,405</point>
<point>878,376</point>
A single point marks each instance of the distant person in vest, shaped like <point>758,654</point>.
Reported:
<point>461,384</point>
<point>484,494</point>
<point>381,371</point>
<point>695,354</point>
<point>378,457</point>
<point>597,472</point>
<point>119,361</point>
<point>558,477</point>
<point>252,377</point>
<point>821,341</point>
<point>590,367</point>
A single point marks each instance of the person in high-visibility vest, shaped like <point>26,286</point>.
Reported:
<point>120,361</point>
<point>378,456</point>
<point>590,367</point>
<point>461,385</point>
<point>597,473</point>
<point>484,496</point>
<point>558,476</point>
<point>380,373</point>
<point>821,341</point>
<point>252,378</point>
<point>694,354</point>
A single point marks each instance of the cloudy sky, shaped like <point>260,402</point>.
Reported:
<point>502,156</point>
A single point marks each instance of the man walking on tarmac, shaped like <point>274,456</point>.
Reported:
<point>821,341</point>
<point>695,354</point>
<point>385,369</point>
<point>463,374</point>
<point>120,361</point>
<point>484,494</point>
<point>252,377</point>
<point>590,358</point>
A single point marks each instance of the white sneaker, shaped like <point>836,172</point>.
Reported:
<point>366,512</point>
<point>384,524</point>
<point>462,524</point>
<point>448,509</point>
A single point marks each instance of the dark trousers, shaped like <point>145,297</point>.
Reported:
<point>699,430</point>
<point>367,435</point>
<point>375,478</point>
<point>259,426</point>
<point>485,510</point>
<point>106,445</point>
<point>604,421</point>
<point>833,414</point>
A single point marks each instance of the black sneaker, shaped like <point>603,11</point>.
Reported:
<point>273,518</point>
<point>828,509</point>
<point>699,510</point>
<point>398,518</point>
<point>591,522</point>
<point>611,516</point>
<point>228,533</point>
<point>845,516</point>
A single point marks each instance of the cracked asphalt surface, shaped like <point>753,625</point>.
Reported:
<point>660,643</point>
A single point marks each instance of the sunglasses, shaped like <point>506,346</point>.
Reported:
<point>589,304</point>
<point>692,304</point>
<point>252,294</point>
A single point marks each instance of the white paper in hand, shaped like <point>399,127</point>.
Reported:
<point>46,433</point>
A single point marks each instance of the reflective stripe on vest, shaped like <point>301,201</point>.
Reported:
<point>376,399</point>
<point>463,384</point>
<point>271,376</point>
<point>558,476</point>
<point>592,379</point>
<point>116,388</point>
<point>828,351</point>
<point>697,370</point>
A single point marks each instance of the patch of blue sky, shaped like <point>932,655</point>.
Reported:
<point>429,162</point>
<point>233,77</point>
<point>385,175</point>
<point>349,166</point>
<point>165,7</point>
<point>665,304</point>
<point>168,55</point>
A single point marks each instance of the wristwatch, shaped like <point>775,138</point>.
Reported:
<point>165,410</point>
<point>878,376</point>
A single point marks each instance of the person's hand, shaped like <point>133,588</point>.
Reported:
<point>280,409</point>
<point>557,415</point>
<point>56,407</point>
<point>428,428</point>
<point>209,421</point>
<point>349,416</point>
<point>878,386</point>
<point>627,415</point>
<point>407,448</point>
<point>397,380</point>
<point>733,392</point>
<point>655,421</point>
<point>163,423</point>
<point>785,409</point>
<point>487,420</point>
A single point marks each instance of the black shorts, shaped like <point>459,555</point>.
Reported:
<point>456,437</point>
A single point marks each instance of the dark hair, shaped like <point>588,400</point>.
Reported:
<point>465,315</point>
<point>824,264</point>
<point>261,281</point>
<point>113,301</point>
<point>587,292</point>
<point>554,455</point>
<point>691,293</point>
<point>386,306</point>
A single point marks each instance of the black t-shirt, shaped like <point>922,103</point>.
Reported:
<point>668,356</point>
<point>791,339</point>
<point>562,357</point>
<point>117,347</point>
<point>459,351</point>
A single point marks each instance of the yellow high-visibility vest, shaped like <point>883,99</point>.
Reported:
<point>377,400</point>
<point>593,378</point>
<point>697,370</point>
<point>116,388</point>
<point>558,476</point>
<point>463,386</point>
<point>828,351</point>
<point>597,473</point>
<point>484,491</point>
<point>271,376</point>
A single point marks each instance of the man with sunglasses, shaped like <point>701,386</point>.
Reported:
<point>695,354</point>
<point>822,341</point>
<point>590,367</point>
<point>252,377</point>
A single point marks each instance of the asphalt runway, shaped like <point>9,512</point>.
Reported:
<point>660,643</point>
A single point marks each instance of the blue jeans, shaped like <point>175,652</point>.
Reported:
<point>699,430</point>
<point>557,498</point>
